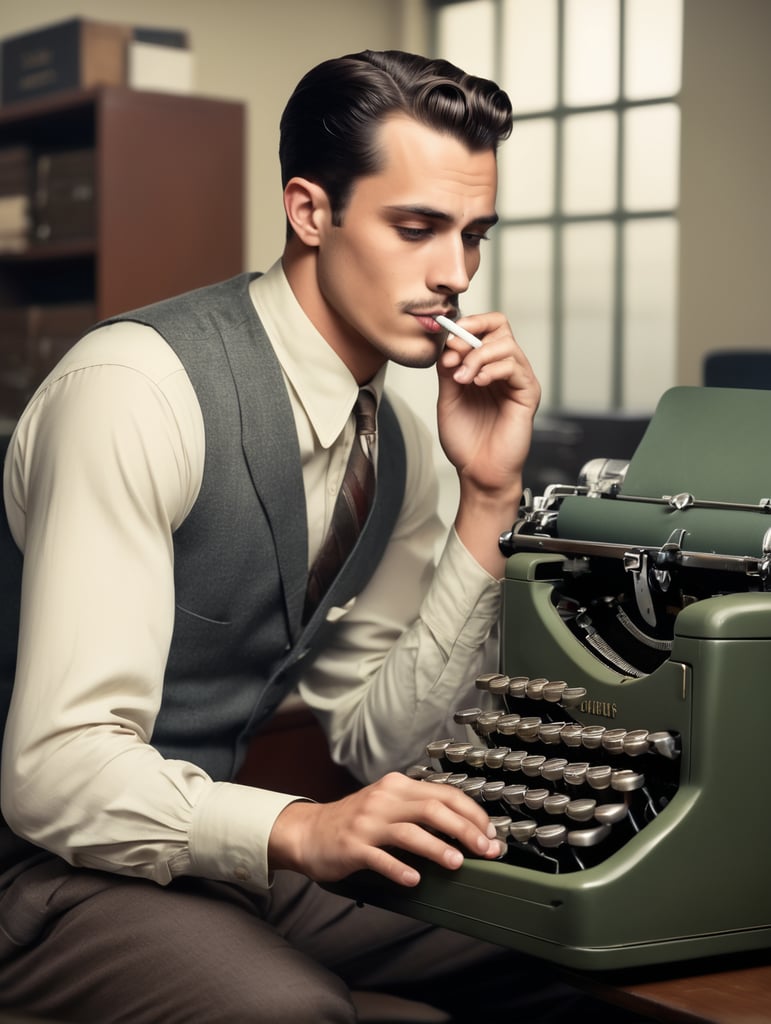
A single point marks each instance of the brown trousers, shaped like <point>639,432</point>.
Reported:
<point>92,948</point>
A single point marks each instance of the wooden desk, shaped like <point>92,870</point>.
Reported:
<point>734,989</point>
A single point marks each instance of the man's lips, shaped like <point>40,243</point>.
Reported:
<point>427,322</point>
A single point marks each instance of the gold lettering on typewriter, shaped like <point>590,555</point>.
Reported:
<point>599,708</point>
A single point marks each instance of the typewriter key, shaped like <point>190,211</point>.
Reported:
<point>613,740</point>
<point>534,688</point>
<point>475,757</point>
<point>588,836</point>
<point>534,798</point>
<point>598,776</point>
<point>514,795</point>
<point>467,716</point>
<point>581,810</point>
<point>456,752</point>
<point>483,682</point>
<point>550,836</point>
<point>554,769</point>
<point>611,814</point>
<point>527,729</point>
<point>532,764</point>
<point>512,762</point>
<point>436,748</point>
<point>664,743</point>
<point>549,732</point>
<point>518,686</point>
<point>473,788</point>
<point>572,696</point>
<point>494,757</point>
<point>571,734</point>
<point>507,724</point>
<point>575,773</point>
<point>591,736</point>
<point>557,803</point>
<point>636,742</point>
<point>522,831</point>
<point>553,690</point>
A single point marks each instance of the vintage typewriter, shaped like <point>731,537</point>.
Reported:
<point>623,748</point>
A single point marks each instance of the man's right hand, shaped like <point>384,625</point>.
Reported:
<point>327,842</point>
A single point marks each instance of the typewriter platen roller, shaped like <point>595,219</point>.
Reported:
<point>623,748</point>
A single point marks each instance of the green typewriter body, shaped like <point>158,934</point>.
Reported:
<point>635,691</point>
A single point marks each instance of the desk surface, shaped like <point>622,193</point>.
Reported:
<point>725,990</point>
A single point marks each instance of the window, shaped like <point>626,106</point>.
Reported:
<point>584,260</point>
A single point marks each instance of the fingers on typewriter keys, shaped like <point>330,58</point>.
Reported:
<point>472,787</point>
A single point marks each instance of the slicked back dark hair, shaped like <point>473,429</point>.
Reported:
<point>329,126</point>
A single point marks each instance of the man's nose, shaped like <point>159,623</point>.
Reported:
<point>449,272</point>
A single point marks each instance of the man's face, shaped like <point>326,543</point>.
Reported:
<point>408,245</point>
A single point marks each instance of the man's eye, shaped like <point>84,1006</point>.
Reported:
<point>413,234</point>
<point>474,240</point>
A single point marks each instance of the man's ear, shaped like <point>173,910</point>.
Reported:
<point>307,209</point>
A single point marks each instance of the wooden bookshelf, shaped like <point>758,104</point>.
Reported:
<point>169,208</point>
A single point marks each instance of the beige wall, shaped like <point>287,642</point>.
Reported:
<point>725,258</point>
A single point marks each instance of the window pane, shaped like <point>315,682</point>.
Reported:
<point>526,290</point>
<point>591,51</point>
<point>588,259</point>
<point>466,36</point>
<point>590,163</point>
<point>526,163</point>
<point>530,54</point>
<point>653,48</point>
<point>651,165</point>
<point>650,311</point>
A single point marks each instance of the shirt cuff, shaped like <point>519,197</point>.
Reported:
<point>229,833</point>
<point>463,600</point>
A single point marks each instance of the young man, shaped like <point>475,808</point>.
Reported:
<point>171,484</point>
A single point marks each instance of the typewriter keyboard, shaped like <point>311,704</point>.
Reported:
<point>562,796</point>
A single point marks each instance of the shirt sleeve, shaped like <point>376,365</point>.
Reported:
<point>405,654</point>
<point>104,464</point>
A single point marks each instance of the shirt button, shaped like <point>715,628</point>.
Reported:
<point>242,873</point>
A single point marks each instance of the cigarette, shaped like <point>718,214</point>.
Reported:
<point>459,332</point>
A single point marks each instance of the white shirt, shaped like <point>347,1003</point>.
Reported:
<point>105,464</point>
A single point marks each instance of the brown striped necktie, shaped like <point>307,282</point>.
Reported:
<point>351,508</point>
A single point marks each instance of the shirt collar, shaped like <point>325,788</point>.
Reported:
<point>323,383</point>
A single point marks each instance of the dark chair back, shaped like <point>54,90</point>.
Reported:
<point>739,368</point>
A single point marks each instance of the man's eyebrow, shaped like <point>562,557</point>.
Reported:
<point>431,214</point>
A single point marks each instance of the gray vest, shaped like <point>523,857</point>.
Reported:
<point>241,556</point>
